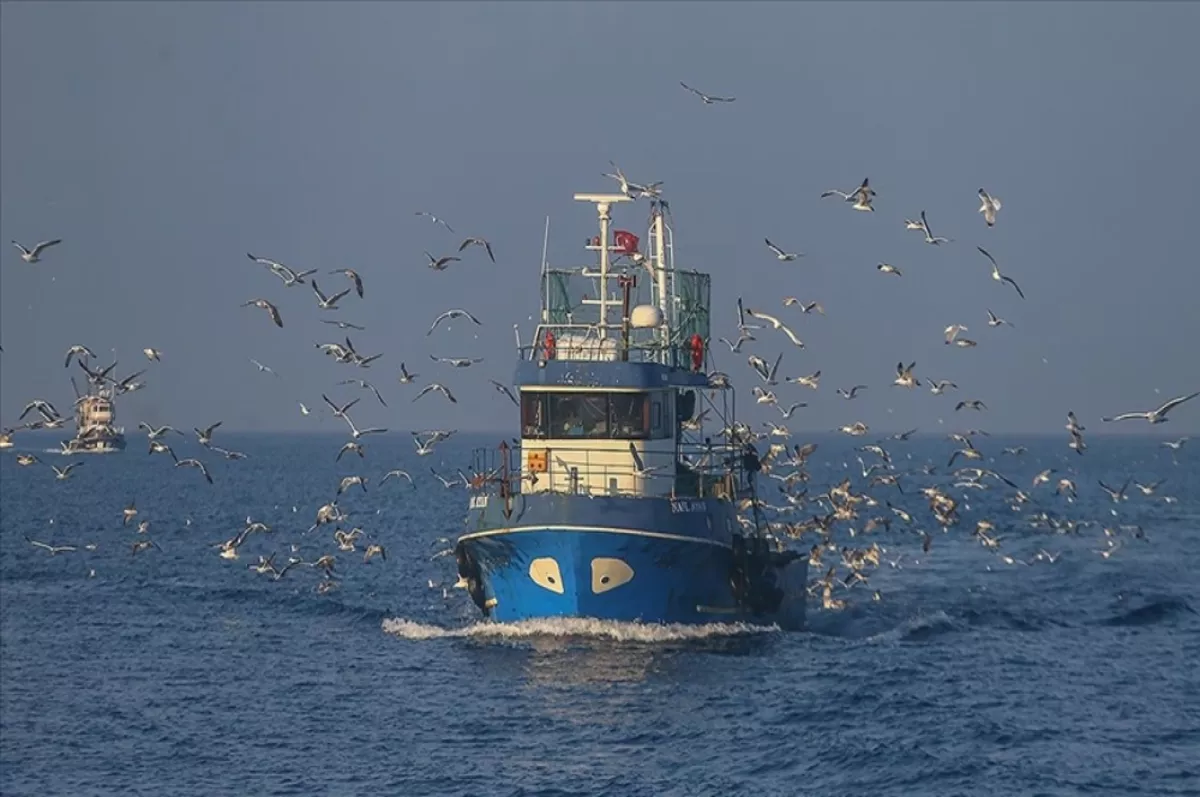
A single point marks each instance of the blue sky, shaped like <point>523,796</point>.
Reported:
<point>163,141</point>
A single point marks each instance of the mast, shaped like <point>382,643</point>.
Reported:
<point>603,202</point>
<point>660,265</point>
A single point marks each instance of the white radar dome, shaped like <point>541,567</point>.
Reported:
<point>645,316</point>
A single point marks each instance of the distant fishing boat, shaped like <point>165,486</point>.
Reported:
<point>621,502</point>
<point>95,429</point>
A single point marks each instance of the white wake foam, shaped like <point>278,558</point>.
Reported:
<point>574,626</point>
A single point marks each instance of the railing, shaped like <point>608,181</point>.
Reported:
<point>715,470</point>
<point>582,343</point>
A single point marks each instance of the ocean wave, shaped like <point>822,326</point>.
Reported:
<point>646,633</point>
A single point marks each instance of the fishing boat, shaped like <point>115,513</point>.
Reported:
<point>95,429</point>
<point>632,495</point>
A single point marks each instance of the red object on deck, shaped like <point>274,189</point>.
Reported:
<point>625,242</point>
<point>550,345</point>
<point>697,345</point>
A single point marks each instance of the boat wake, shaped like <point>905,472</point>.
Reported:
<point>647,633</point>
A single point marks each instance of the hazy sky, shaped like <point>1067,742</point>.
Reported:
<point>163,141</point>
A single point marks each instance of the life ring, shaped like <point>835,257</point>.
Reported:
<point>550,345</point>
<point>697,346</point>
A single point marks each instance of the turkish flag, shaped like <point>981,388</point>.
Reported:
<point>626,242</point>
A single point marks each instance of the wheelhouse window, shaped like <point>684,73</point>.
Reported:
<point>589,415</point>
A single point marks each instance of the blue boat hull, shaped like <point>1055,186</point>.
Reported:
<point>624,575</point>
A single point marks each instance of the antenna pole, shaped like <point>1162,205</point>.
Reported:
<point>602,210</point>
<point>661,264</point>
<point>545,277</point>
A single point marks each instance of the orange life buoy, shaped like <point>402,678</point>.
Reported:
<point>550,345</point>
<point>697,352</point>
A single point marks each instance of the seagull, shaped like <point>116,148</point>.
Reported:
<point>439,388</point>
<point>350,446</point>
<point>504,389</point>
<point>154,434</point>
<point>80,351</point>
<point>356,433</point>
<point>304,410</point>
<point>735,348</point>
<point>64,473</point>
<point>327,302</point>
<point>1154,416</point>
<point>974,404</point>
<point>435,219</point>
<point>930,238</point>
<point>707,99</point>
<point>996,275</point>
<point>374,549</point>
<point>195,463</point>
<point>478,242</point>
<point>441,263</point>
<point>451,315</point>
<point>349,482</point>
<point>405,377</point>
<point>342,324</point>
<point>886,269</point>
<point>31,255</point>
<point>776,324</point>
<point>938,387</point>
<point>338,412</point>
<point>51,549</point>
<point>861,196</point>
<point>1148,489</point>
<point>1175,445</point>
<point>399,474</point>
<point>270,308</point>
<point>851,393</point>
<point>990,205</point>
<point>352,275</point>
<point>909,224</point>
<point>780,254</point>
<point>154,355</point>
<point>813,380</point>
<point>365,385</point>
<point>1116,495</point>
<point>760,366</point>
<point>904,376</point>
<point>262,368</point>
<point>995,320</point>
<point>457,362</point>
<point>205,437</point>
<point>639,468</point>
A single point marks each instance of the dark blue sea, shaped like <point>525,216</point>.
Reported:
<point>176,672</point>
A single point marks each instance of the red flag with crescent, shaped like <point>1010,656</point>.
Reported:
<point>626,242</point>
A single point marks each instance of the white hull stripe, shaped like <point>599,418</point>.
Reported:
<point>602,529</point>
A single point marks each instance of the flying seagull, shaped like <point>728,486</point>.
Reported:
<point>435,219</point>
<point>351,275</point>
<point>996,275</point>
<point>478,242</point>
<point>990,205</point>
<point>884,268</point>
<point>779,253</point>
<point>328,302</point>
<point>861,196</point>
<point>708,100</point>
<point>270,308</point>
<point>1155,416</point>
<point>451,315</point>
<point>504,389</point>
<point>441,263</point>
<point>930,238</point>
<point>439,388</point>
<point>31,255</point>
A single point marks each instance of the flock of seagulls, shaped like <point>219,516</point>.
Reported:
<point>853,509</point>
<point>166,439</point>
